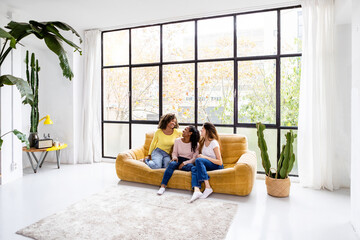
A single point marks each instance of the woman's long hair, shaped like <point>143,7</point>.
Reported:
<point>194,138</point>
<point>210,132</point>
<point>165,119</point>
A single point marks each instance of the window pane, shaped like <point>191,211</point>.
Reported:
<point>116,98</point>
<point>215,92</point>
<point>290,90</point>
<point>216,38</point>
<point>283,141</point>
<point>220,130</point>
<point>116,139</point>
<point>116,48</point>
<point>291,30</point>
<point>257,91</point>
<point>225,130</point>
<point>271,142</point>
<point>259,37</point>
<point>178,41</point>
<point>138,132</point>
<point>178,91</point>
<point>145,93</point>
<point>145,45</point>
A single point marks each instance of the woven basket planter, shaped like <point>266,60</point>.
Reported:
<point>277,187</point>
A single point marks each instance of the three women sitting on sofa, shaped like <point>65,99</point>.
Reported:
<point>185,153</point>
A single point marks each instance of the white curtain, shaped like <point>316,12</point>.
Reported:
<point>317,134</point>
<point>90,104</point>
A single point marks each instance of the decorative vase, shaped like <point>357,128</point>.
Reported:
<point>33,138</point>
<point>277,187</point>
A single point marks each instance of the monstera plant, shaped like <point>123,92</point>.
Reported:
<point>49,32</point>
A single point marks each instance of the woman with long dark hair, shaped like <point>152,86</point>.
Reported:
<point>209,160</point>
<point>183,156</point>
<point>163,142</point>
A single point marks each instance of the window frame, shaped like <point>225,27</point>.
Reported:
<point>277,57</point>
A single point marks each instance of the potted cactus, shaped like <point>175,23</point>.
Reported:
<point>32,77</point>
<point>278,182</point>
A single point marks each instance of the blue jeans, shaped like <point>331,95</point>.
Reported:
<point>159,159</point>
<point>198,172</point>
<point>174,165</point>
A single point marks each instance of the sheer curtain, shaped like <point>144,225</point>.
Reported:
<point>317,134</point>
<point>90,104</point>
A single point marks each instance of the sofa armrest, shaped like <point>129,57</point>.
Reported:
<point>248,158</point>
<point>130,157</point>
<point>248,163</point>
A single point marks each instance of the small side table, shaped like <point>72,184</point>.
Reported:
<point>44,152</point>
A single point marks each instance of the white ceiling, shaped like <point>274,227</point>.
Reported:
<point>105,14</point>
<point>110,14</point>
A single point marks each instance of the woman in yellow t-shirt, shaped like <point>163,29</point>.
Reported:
<point>163,141</point>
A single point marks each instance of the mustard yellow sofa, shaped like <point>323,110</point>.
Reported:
<point>236,178</point>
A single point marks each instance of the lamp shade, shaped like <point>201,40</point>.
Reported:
<point>47,120</point>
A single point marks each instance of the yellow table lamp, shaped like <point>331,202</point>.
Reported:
<point>47,120</point>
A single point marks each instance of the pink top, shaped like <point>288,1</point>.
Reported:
<point>182,149</point>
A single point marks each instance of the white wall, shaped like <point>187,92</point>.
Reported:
<point>10,119</point>
<point>355,118</point>
<point>342,71</point>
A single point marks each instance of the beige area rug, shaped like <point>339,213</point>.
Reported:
<point>128,212</point>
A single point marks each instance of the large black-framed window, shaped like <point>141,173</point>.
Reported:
<point>233,70</point>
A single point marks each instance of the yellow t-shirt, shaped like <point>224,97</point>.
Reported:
<point>163,141</point>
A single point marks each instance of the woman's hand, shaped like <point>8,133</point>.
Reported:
<point>175,159</point>
<point>202,156</point>
<point>183,164</point>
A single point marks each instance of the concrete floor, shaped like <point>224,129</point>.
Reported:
<point>306,214</point>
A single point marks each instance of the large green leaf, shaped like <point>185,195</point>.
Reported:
<point>21,85</point>
<point>4,34</point>
<point>52,37</point>
<point>56,32</point>
<point>19,30</point>
<point>55,46</point>
<point>66,27</point>
<point>21,136</point>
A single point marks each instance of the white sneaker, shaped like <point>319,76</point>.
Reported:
<point>195,196</point>
<point>206,193</point>
<point>161,191</point>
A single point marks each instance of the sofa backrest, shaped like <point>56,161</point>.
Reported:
<point>232,146</point>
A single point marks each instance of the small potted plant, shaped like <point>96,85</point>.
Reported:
<point>278,182</point>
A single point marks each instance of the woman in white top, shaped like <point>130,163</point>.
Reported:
<point>209,160</point>
<point>186,150</point>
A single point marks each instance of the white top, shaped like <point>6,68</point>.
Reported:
<point>209,150</point>
<point>182,149</point>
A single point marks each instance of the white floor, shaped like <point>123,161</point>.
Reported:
<point>306,214</point>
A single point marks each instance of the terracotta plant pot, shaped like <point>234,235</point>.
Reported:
<point>277,187</point>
